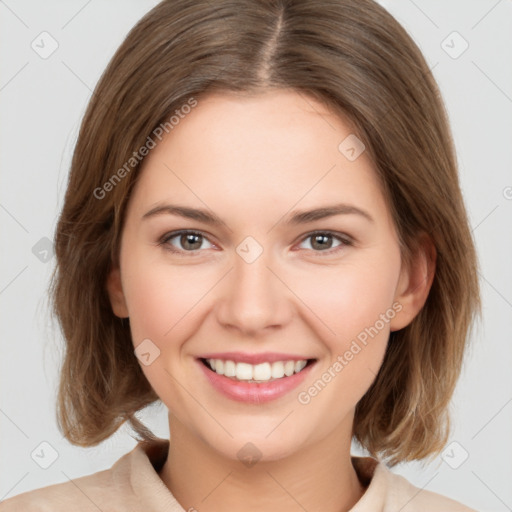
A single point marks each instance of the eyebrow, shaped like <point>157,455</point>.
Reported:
<point>294,218</point>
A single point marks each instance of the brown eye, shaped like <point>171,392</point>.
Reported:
<point>184,241</point>
<point>322,241</point>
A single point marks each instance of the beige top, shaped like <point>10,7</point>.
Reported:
<point>133,484</point>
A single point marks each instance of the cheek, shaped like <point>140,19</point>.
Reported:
<point>355,304</point>
<point>163,304</point>
<point>163,299</point>
<point>349,299</point>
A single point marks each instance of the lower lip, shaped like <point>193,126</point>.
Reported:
<point>254,392</point>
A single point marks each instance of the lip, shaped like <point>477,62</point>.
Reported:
<point>255,393</point>
<point>243,357</point>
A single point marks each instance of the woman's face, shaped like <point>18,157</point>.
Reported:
<point>252,285</point>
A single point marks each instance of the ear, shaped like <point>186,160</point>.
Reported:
<point>416,277</point>
<point>116,294</point>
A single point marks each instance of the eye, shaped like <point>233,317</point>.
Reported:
<point>184,241</point>
<point>322,241</point>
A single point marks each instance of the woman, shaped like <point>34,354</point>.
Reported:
<point>258,232</point>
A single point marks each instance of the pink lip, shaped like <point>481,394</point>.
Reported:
<point>254,393</point>
<point>242,357</point>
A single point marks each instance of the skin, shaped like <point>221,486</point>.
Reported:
<point>253,161</point>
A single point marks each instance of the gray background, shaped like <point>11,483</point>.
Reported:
<point>42,101</point>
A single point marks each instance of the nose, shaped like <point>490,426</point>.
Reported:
<point>254,298</point>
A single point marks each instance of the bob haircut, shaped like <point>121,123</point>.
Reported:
<point>356,59</point>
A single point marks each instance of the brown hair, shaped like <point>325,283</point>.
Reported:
<point>355,58</point>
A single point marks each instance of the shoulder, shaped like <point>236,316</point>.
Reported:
<point>403,495</point>
<point>392,492</point>
<point>58,497</point>
<point>85,494</point>
<point>105,490</point>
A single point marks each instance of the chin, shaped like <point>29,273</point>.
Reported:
<point>252,443</point>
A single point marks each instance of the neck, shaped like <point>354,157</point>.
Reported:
<point>318,477</point>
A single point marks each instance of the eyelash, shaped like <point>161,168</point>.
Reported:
<point>164,242</point>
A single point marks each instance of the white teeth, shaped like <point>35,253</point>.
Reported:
<point>299,365</point>
<point>289,368</point>
<point>262,372</point>
<point>219,366</point>
<point>243,371</point>
<point>229,369</point>
<point>278,370</point>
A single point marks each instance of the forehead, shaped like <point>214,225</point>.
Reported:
<point>271,121</point>
<point>268,150</point>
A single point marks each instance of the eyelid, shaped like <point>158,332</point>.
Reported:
<point>345,240</point>
<point>163,241</point>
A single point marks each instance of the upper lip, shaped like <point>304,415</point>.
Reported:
<point>264,357</point>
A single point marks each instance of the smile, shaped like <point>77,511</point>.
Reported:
<point>255,378</point>
<point>263,372</point>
